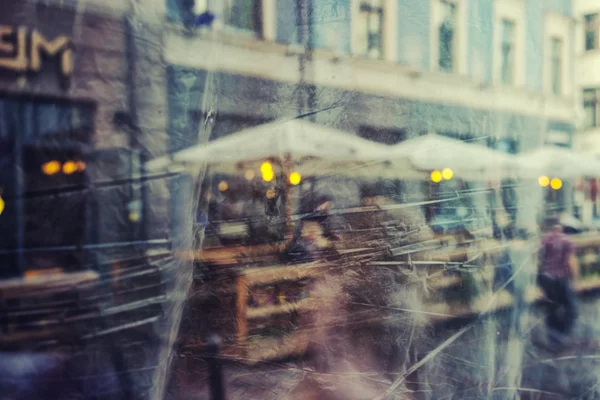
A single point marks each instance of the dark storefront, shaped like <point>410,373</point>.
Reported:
<point>74,204</point>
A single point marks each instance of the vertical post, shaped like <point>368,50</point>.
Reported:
<point>242,306</point>
<point>20,200</point>
<point>217,386</point>
<point>287,169</point>
<point>306,92</point>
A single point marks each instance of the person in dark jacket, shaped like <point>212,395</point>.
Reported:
<point>558,270</point>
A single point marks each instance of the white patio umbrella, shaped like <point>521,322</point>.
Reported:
<point>561,162</point>
<point>315,149</point>
<point>467,160</point>
<point>307,148</point>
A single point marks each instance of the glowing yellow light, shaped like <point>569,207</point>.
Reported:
<point>447,174</point>
<point>436,176</point>
<point>134,216</point>
<point>80,166</point>
<point>51,167</point>
<point>270,194</point>
<point>2,205</point>
<point>69,167</point>
<point>295,178</point>
<point>268,176</point>
<point>543,181</point>
<point>223,186</point>
<point>556,183</point>
<point>249,175</point>
<point>266,167</point>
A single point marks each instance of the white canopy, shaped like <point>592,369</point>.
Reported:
<point>302,141</point>
<point>561,162</point>
<point>467,160</point>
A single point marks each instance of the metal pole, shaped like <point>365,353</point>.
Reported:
<point>306,90</point>
<point>217,385</point>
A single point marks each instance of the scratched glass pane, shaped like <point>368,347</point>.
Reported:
<point>299,199</point>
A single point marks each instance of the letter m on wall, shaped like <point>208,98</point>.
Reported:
<point>60,46</point>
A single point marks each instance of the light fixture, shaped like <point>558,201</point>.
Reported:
<point>223,186</point>
<point>556,184</point>
<point>543,181</point>
<point>447,173</point>
<point>69,167</point>
<point>266,167</point>
<point>2,205</point>
<point>268,176</point>
<point>295,178</point>
<point>436,176</point>
<point>135,210</point>
<point>80,166</point>
<point>249,175</point>
<point>266,170</point>
<point>51,167</point>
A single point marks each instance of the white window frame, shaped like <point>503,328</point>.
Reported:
<point>558,26</point>
<point>583,30</point>
<point>460,50</point>
<point>513,10</point>
<point>389,36</point>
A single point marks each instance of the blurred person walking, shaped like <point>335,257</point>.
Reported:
<point>558,271</point>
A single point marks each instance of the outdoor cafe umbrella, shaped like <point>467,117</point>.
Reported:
<point>318,149</point>
<point>553,161</point>
<point>466,160</point>
<point>296,145</point>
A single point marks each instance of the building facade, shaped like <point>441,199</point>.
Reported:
<point>82,106</point>
<point>587,14</point>
<point>495,71</point>
<point>587,82</point>
<point>498,69</point>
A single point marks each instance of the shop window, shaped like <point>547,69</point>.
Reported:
<point>507,52</point>
<point>370,29</point>
<point>42,149</point>
<point>454,202</point>
<point>556,65</point>
<point>590,107</point>
<point>242,210</point>
<point>592,31</point>
<point>447,37</point>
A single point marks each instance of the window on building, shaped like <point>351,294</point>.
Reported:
<point>245,15</point>
<point>370,29</point>
<point>507,52</point>
<point>556,65</point>
<point>590,106</point>
<point>592,31</point>
<point>447,37</point>
<point>242,15</point>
